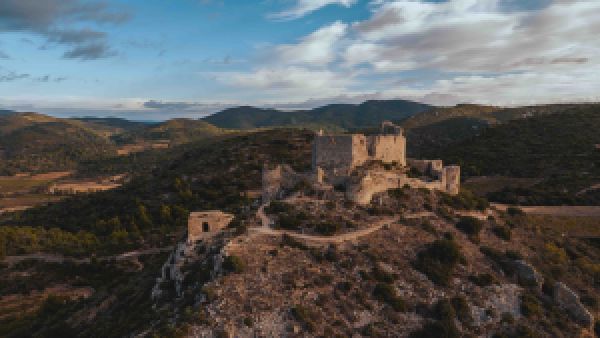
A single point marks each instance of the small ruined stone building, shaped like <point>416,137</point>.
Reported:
<point>201,226</point>
<point>206,224</point>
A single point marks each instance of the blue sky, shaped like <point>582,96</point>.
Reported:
<point>157,59</point>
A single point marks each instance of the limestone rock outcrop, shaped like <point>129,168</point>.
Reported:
<point>569,300</point>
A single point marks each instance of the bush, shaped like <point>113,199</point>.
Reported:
<point>305,315</point>
<point>461,309</point>
<point>386,293</point>
<point>514,211</point>
<point>327,228</point>
<point>288,222</point>
<point>438,260</point>
<point>465,200</point>
<point>502,232</point>
<point>469,225</point>
<point>530,306</point>
<point>277,207</point>
<point>597,328</point>
<point>437,329</point>
<point>483,280</point>
<point>233,264</point>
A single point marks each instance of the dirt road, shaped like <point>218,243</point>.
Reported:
<point>573,211</point>
<point>55,258</point>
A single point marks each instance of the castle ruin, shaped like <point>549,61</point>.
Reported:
<point>364,165</point>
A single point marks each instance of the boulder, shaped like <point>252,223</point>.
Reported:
<point>569,300</point>
<point>527,274</point>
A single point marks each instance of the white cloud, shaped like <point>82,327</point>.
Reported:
<point>318,48</point>
<point>482,51</point>
<point>304,7</point>
<point>289,82</point>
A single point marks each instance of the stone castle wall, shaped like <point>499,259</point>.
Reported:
<point>374,182</point>
<point>339,154</point>
<point>388,148</point>
<point>427,167</point>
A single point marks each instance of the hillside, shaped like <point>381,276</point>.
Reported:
<point>346,116</point>
<point>423,271</point>
<point>36,142</point>
<point>110,126</point>
<point>559,148</point>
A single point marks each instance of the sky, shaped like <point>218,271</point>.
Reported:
<point>159,59</point>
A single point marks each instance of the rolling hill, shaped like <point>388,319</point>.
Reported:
<point>37,142</point>
<point>346,116</point>
<point>560,148</point>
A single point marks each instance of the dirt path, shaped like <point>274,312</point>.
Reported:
<point>573,211</point>
<point>55,258</point>
<point>265,229</point>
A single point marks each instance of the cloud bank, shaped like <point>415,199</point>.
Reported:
<point>487,51</point>
<point>64,22</point>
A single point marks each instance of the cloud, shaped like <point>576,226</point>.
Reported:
<point>91,51</point>
<point>171,106</point>
<point>3,55</point>
<point>13,76</point>
<point>316,48</point>
<point>487,51</point>
<point>304,7</point>
<point>62,22</point>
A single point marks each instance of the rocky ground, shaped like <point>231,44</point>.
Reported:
<point>398,281</point>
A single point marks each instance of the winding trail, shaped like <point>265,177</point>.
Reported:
<point>265,229</point>
<point>56,258</point>
<point>566,210</point>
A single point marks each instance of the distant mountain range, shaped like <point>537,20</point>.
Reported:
<point>346,116</point>
<point>32,141</point>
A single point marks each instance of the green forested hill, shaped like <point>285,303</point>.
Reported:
<point>560,148</point>
<point>36,142</point>
<point>347,116</point>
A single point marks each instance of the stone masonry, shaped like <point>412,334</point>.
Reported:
<point>350,160</point>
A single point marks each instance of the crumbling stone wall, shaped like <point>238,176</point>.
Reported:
<point>339,154</point>
<point>427,167</point>
<point>282,177</point>
<point>451,177</point>
<point>362,191</point>
<point>388,148</point>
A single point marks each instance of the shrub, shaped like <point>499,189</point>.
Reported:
<point>277,207</point>
<point>502,232</point>
<point>288,222</point>
<point>514,211</point>
<point>327,228</point>
<point>438,260</point>
<point>233,264</point>
<point>305,315</point>
<point>386,293</point>
<point>441,329</point>
<point>530,306</point>
<point>444,310</point>
<point>483,280</point>
<point>469,225</point>
<point>461,308</point>
<point>465,200</point>
<point>248,322</point>
<point>597,328</point>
